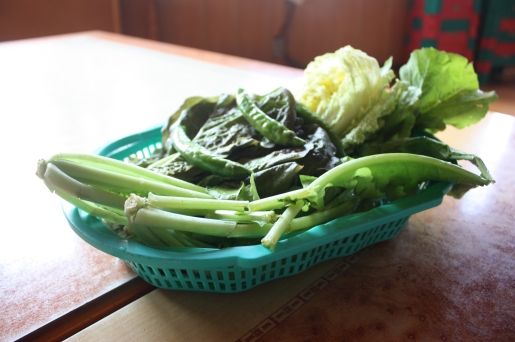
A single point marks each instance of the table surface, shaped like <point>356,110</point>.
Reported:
<point>449,274</point>
<point>74,93</point>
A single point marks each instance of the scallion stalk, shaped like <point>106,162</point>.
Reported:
<point>120,167</point>
<point>174,202</point>
<point>122,182</point>
<point>281,225</point>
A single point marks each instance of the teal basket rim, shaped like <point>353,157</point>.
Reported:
<point>243,256</point>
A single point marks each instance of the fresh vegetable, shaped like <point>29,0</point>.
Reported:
<point>219,142</point>
<point>348,90</point>
<point>264,124</point>
<point>449,89</point>
<point>196,154</point>
<point>351,185</point>
<point>354,96</point>
<point>242,168</point>
<point>311,118</point>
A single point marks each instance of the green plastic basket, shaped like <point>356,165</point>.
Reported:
<point>238,269</point>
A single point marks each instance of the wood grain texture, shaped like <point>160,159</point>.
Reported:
<point>247,28</point>
<point>139,18</point>
<point>241,28</point>
<point>419,286</point>
<point>256,25</point>
<point>181,22</point>
<point>240,316</point>
<point>90,313</point>
<point>22,19</point>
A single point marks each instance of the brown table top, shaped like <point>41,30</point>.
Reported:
<point>73,93</point>
<point>449,275</point>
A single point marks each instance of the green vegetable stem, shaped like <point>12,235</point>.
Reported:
<point>278,229</point>
<point>152,220</point>
<point>57,179</point>
<point>172,202</point>
<point>92,163</point>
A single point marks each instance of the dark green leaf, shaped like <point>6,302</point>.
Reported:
<point>276,157</point>
<point>226,129</point>
<point>276,179</point>
<point>279,105</point>
<point>322,154</point>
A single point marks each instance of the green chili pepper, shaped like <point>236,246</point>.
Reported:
<point>199,156</point>
<point>264,124</point>
<point>310,117</point>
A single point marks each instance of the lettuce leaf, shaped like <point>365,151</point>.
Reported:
<point>353,95</point>
<point>449,87</point>
<point>463,109</point>
<point>345,88</point>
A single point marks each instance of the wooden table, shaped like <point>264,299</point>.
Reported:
<point>449,275</point>
<point>75,93</point>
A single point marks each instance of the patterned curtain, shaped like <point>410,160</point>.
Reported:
<point>481,30</point>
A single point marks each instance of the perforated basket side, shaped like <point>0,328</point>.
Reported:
<point>237,278</point>
<point>237,269</point>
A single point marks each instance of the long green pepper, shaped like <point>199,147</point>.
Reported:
<point>199,156</point>
<point>264,124</point>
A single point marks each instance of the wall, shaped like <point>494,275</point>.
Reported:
<point>247,27</point>
<point>20,19</point>
<point>244,28</point>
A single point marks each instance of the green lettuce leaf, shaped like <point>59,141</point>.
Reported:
<point>462,110</point>
<point>346,87</point>
<point>389,125</point>
<point>449,89</point>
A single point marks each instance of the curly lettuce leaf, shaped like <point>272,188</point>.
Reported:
<point>371,122</point>
<point>389,125</point>
<point>352,94</point>
<point>440,75</point>
<point>344,87</point>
